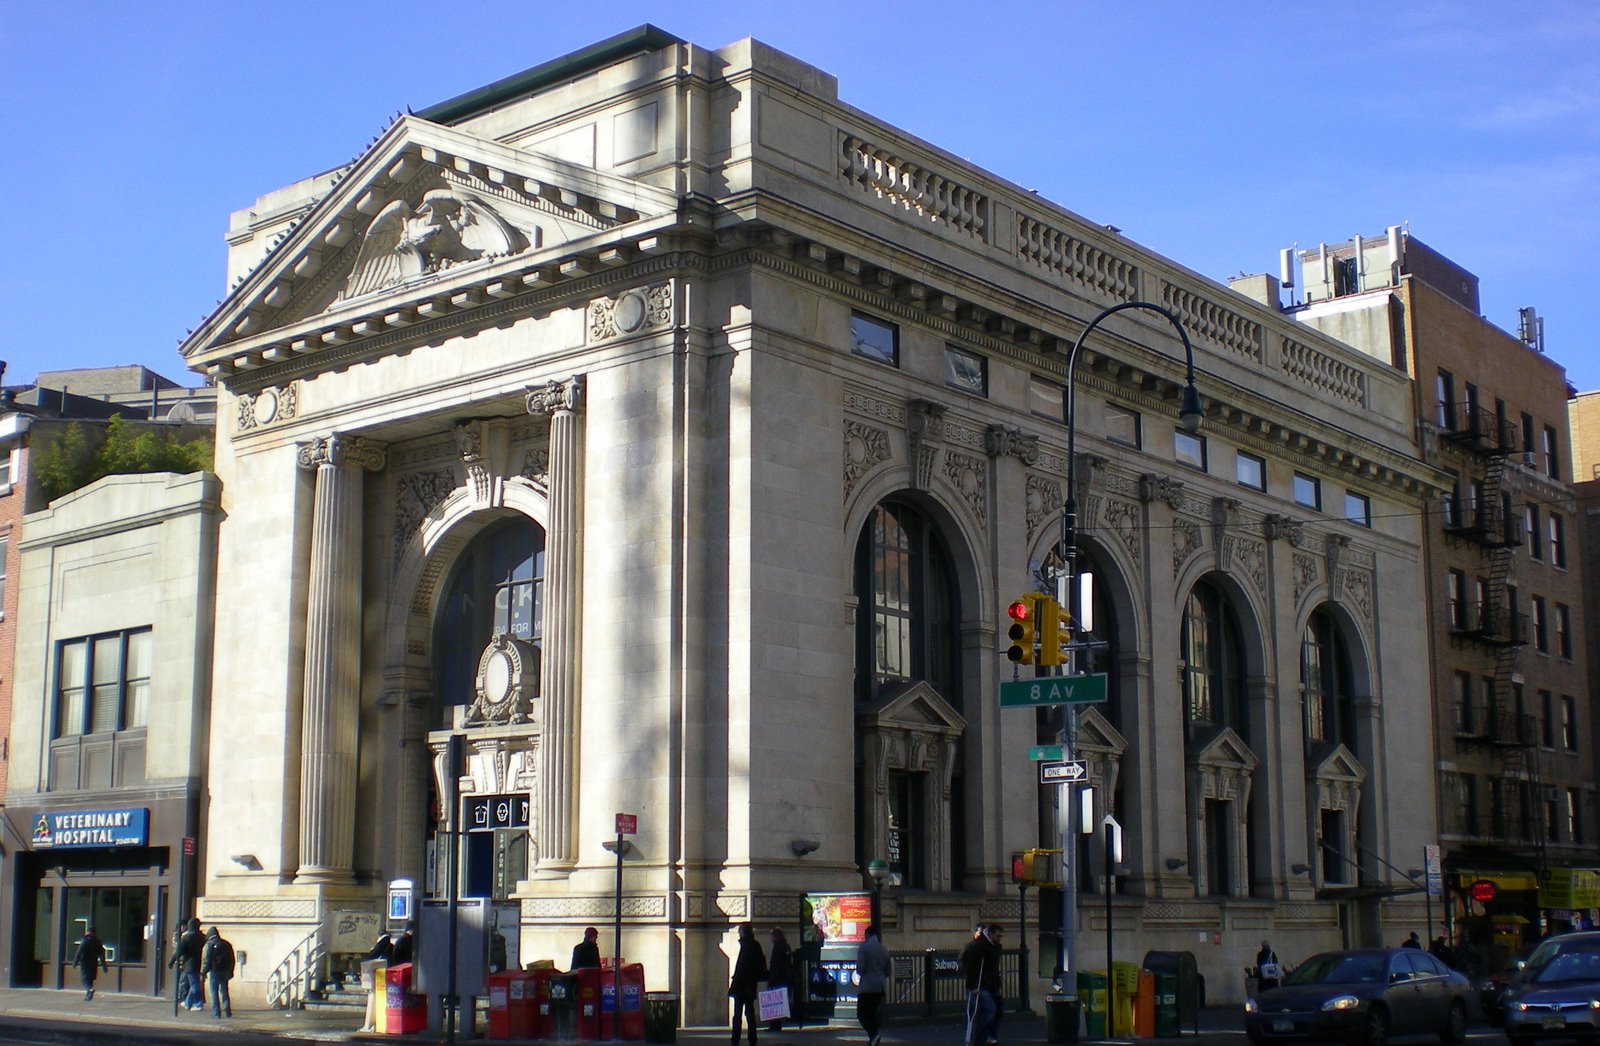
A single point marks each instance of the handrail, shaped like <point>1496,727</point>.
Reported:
<point>291,980</point>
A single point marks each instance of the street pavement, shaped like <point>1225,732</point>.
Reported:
<point>45,1016</point>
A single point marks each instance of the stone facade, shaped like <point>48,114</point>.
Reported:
<point>710,341</point>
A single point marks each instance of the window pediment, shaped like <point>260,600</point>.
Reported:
<point>1096,734</point>
<point>1331,762</point>
<point>915,707</point>
<point>1222,750</point>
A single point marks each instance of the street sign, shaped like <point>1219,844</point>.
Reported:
<point>1047,753</point>
<point>1069,772</point>
<point>1053,690</point>
<point>627,824</point>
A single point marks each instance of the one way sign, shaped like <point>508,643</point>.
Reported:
<point>1068,772</point>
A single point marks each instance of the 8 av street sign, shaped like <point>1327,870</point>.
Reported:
<point>1063,773</point>
<point>1053,690</point>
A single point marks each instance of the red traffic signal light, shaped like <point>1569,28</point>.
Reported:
<point>1021,632</point>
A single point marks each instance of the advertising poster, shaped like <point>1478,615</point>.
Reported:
<point>837,918</point>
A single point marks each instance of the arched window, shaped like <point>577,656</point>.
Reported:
<point>496,588</point>
<point>1213,657</point>
<point>907,606</point>
<point>1325,682</point>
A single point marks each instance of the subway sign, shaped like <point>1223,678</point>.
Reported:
<point>83,829</point>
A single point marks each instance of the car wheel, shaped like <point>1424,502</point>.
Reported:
<point>1455,1024</point>
<point>1377,1027</point>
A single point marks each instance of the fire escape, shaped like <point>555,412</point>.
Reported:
<point>1485,519</point>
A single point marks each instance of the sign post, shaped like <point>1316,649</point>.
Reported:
<point>627,824</point>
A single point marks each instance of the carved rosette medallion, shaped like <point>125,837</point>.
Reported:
<point>864,448</point>
<point>267,406</point>
<point>966,474</point>
<point>630,312</point>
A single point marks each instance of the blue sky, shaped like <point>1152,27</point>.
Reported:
<point>1214,133</point>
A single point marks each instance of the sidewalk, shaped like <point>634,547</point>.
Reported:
<point>45,1015</point>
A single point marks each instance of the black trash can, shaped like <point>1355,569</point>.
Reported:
<point>1061,1018</point>
<point>564,1007</point>
<point>660,1016</point>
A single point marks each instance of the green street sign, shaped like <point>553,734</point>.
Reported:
<point>1046,754</point>
<point>1053,690</point>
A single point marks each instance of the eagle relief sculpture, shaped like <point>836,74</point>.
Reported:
<point>447,228</point>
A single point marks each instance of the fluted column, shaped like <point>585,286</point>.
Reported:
<point>558,684</point>
<point>331,703</point>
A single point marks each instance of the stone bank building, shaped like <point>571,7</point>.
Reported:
<point>676,434</point>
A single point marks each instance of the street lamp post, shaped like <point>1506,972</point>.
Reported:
<point>877,871</point>
<point>1189,416</point>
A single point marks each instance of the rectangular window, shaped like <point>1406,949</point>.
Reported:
<point>1569,723</point>
<point>1046,399</point>
<point>1547,719</point>
<point>1552,823</point>
<point>1307,490</point>
<point>1558,540</point>
<point>1358,509</point>
<point>1575,816</point>
<point>1530,519</point>
<point>1189,449</point>
<point>103,683</point>
<point>1456,598</point>
<point>875,339</point>
<point>1450,507</point>
<point>1527,436</point>
<point>1250,471</point>
<point>1467,801</point>
<point>1552,453</point>
<point>1564,631</point>
<point>5,550</point>
<point>1445,394</point>
<point>1463,702</point>
<point>8,468</point>
<point>1541,624</point>
<point>967,371</point>
<point>1122,426</point>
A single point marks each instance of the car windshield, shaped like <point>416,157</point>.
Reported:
<point>1570,966</point>
<point>1339,969</point>
<point>1560,946</point>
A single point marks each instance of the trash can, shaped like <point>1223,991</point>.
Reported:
<point>1061,1018</point>
<point>1190,986</point>
<point>660,1016</point>
<point>1167,1005</point>
<point>564,1007</point>
<point>1092,992</point>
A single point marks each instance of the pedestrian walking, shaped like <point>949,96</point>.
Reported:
<point>216,963</point>
<point>1269,972</point>
<point>749,970</point>
<point>90,960</point>
<point>586,953</point>
<point>780,973</point>
<point>872,976</point>
<point>187,957</point>
<point>980,970</point>
<point>1412,942</point>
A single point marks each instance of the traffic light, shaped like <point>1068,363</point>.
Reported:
<point>1022,631</point>
<point>1049,631</point>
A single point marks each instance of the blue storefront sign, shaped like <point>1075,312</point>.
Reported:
<point>80,829</point>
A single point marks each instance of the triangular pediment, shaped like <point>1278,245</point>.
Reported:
<point>1224,749</point>
<point>913,706</point>
<point>1096,734</point>
<point>427,211</point>
<point>1335,762</point>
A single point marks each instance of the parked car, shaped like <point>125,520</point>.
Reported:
<point>1559,1001</point>
<point>1547,951</point>
<point>1362,997</point>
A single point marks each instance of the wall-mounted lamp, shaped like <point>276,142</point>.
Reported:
<point>1300,869</point>
<point>1174,863</point>
<point>246,861</point>
<point>801,847</point>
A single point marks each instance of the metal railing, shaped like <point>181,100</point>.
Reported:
<point>922,985</point>
<point>291,981</point>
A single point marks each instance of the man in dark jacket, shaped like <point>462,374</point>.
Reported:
<point>749,970</point>
<point>90,960</point>
<point>186,957</point>
<point>216,962</point>
<point>586,953</point>
<point>980,969</point>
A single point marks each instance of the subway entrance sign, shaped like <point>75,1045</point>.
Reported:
<point>1053,690</point>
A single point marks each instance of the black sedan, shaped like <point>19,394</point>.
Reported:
<point>1560,1001</point>
<point>1362,997</point>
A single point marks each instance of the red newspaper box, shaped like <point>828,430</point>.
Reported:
<point>500,1005</point>
<point>522,1004</point>
<point>404,1012</point>
<point>589,982</point>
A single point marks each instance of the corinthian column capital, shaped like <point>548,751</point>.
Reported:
<point>342,450</point>
<point>555,396</point>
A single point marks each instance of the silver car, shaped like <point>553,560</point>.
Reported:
<point>1559,1001</point>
